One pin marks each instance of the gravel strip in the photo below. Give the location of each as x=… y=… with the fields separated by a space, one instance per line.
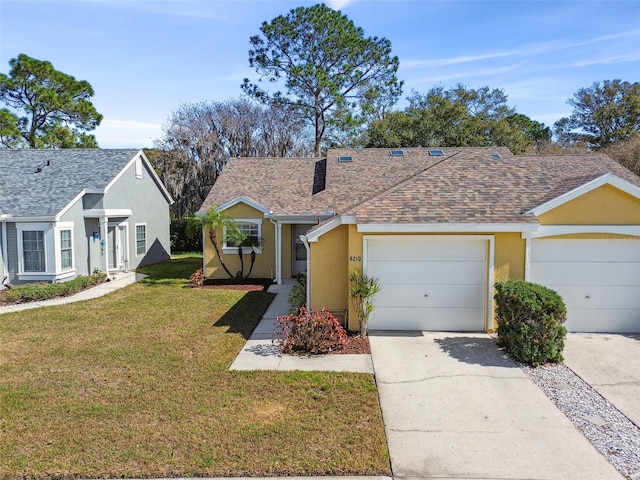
x=613 y=434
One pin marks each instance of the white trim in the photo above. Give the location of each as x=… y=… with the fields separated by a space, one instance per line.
x=3 y=250
x=140 y=154
x=70 y=204
x=245 y=250
x=48 y=246
x=445 y=227
x=316 y=233
x=488 y=318
x=527 y=258
x=553 y=230
x=107 y=212
x=135 y=229
x=246 y=201
x=308 y=247
x=606 y=179
x=60 y=227
x=278 y=252
x=138 y=167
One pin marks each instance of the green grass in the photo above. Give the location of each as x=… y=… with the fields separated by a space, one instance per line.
x=136 y=384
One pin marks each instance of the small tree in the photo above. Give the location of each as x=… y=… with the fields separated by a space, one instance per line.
x=363 y=289
x=214 y=219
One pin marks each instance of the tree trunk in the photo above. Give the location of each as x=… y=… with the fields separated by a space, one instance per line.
x=212 y=237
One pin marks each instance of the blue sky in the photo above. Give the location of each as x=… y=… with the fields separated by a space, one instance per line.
x=146 y=57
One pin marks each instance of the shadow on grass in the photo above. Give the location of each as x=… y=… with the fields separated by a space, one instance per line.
x=244 y=316
x=172 y=272
x=476 y=351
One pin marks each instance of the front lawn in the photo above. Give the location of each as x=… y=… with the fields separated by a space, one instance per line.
x=136 y=384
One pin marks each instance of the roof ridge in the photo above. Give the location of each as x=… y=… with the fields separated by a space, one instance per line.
x=400 y=182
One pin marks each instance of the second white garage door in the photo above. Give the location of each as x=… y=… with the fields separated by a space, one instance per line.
x=599 y=281
x=428 y=282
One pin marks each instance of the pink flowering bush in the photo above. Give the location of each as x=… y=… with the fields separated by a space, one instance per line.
x=310 y=332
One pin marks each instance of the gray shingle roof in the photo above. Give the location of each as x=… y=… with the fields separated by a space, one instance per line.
x=27 y=192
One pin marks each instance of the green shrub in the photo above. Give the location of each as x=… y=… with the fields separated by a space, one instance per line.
x=530 y=318
x=298 y=295
x=309 y=332
x=33 y=292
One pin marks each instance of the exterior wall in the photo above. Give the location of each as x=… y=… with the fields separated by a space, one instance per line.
x=148 y=206
x=12 y=252
x=2 y=254
x=605 y=205
x=80 y=254
x=265 y=266
x=340 y=250
x=330 y=270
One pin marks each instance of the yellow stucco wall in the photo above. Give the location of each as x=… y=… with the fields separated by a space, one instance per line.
x=605 y=205
x=329 y=283
x=265 y=266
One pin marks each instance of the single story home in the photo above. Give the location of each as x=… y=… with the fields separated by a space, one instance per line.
x=439 y=227
x=65 y=213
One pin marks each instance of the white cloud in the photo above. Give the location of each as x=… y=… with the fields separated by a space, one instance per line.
x=338 y=4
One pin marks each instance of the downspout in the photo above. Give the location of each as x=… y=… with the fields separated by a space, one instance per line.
x=308 y=248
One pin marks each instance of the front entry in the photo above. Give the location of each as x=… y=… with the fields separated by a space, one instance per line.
x=298 y=250
x=117 y=247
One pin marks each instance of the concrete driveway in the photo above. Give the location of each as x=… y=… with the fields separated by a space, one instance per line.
x=610 y=364
x=455 y=406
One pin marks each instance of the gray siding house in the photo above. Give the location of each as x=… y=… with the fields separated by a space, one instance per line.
x=65 y=213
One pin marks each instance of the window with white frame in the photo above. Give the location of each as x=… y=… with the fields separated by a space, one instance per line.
x=33 y=250
x=141 y=239
x=66 y=249
x=250 y=230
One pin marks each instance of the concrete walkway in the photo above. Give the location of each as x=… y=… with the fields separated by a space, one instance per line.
x=260 y=353
x=610 y=363
x=457 y=407
x=118 y=281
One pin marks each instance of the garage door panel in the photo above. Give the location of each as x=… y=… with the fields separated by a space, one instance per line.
x=602 y=297
x=586 y=250
x=444 y=319
x=439 y=273
x=409 y=249
x=430 y=296
x=574 y=273
x=604 y=321
x=599 y=281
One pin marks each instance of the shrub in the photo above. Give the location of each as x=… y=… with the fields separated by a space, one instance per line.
x=197 y=279
x=33 y=292
x=298 y=295
x=310 y=332
x=530 y=318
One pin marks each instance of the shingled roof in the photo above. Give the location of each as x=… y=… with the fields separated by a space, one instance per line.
x=40 y=183
x=463 y=185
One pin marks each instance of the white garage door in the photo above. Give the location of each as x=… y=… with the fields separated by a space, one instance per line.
x=599 y=281
x=428 y=283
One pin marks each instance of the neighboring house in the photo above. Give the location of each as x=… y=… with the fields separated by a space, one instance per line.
x=65 y=213
x=438 y=228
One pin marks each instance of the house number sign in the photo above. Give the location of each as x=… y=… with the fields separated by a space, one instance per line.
x=355 y=259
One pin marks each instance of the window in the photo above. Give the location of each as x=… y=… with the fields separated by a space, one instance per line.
x=33 y=250
x=251 y=230
x=141 y=239
x=66 y=252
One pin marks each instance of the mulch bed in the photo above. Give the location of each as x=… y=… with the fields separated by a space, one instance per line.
x=355 y=345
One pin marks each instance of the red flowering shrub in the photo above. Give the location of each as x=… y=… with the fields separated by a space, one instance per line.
x=310 y=332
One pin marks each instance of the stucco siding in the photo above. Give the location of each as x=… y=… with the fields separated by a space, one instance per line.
x=80 y=244
x=148 y=206
x=605 y=205
x=2 y=249
x=12 y=252
x=330 y=270
x=265 y=265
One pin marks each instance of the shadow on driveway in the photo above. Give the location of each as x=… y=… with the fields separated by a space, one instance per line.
x=474 y=350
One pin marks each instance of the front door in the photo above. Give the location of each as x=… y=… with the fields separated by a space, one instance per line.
x=112 y=249
x=117 y=247
x=298 y=250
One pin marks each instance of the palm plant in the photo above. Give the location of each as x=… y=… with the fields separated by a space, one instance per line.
x=363 y=289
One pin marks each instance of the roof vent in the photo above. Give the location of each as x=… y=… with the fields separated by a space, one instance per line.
x=496 y=156
x=436 y=152
x=397 y=153
x=345 y=158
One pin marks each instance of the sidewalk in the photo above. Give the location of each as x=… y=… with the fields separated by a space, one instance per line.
x=121 y=280
x=260 y=353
